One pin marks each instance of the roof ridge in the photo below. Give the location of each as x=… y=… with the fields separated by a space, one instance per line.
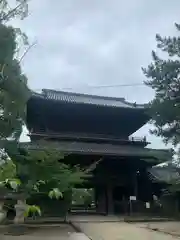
x=82 y=94
x=118 y=99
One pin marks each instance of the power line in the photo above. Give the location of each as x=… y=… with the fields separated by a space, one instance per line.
x=118 y=85
x=102 y=86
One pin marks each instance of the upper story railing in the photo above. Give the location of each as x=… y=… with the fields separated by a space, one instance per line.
x=138 y=139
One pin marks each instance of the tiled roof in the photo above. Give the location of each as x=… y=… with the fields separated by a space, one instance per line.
x=95 y=149
x=167 y=172
x=87 y=99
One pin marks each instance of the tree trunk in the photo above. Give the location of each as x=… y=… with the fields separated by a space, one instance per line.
x=20 y=208
x=3 y=213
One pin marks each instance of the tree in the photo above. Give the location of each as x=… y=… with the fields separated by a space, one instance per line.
x=164 y=78
x=13 y=85
x=41 y=172
x=44 y=170
x=14 y=92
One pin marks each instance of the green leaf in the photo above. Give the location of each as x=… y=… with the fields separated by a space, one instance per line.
x=33 y=209
x=55 y=193
x=14 y=183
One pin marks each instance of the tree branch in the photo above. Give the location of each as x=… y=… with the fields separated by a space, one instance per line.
x=5 y=18
x=26 y=51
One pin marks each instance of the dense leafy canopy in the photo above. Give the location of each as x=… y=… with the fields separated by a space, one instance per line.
x=164 y=78
x=14 y=92
x=13 y=83
x=42 y=172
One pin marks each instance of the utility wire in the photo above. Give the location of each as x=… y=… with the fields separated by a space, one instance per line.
x=118 y=85
x=101 y=86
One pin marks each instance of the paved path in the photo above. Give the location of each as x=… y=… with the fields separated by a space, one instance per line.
x=95 y=218
x=63 y=232
x=172 y=227
x=95 y=231
x=120 y=231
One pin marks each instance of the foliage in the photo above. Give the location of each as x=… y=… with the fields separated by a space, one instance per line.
x=18 y=10
x=13 y=85
x=55 y=193
x=45 y=172
x=39 y=172
x=7 y=168
x=33 y=210
x=14 y=92
x=10 y=10
x=164 y=79
x=82 y=196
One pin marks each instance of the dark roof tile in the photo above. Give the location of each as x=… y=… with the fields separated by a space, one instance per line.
x=87 y=99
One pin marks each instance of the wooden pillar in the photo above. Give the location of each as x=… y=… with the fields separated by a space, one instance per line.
x=135 y=183
x=110 y=201
x=100 y=199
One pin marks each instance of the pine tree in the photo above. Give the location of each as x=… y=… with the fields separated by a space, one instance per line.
x=164 y=78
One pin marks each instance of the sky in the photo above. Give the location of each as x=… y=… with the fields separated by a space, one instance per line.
x=85 y=43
